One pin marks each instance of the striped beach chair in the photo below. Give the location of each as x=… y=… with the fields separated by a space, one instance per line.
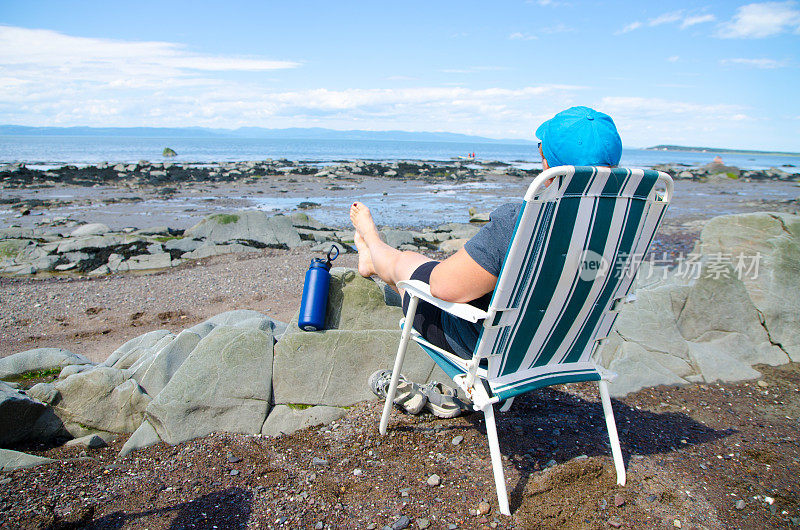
x=575 y=251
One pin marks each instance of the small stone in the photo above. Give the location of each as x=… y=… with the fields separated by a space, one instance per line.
x=401 y=523
x=618 y=500
x=769 y=500
x=652 y=498
x=740 y=504
x=550 y=463
x=357 y=472
x=676 y=523
x=423 y=523
x=602 y=503
x=484 y=508
x=317 y=461
x=234 y=472
x=372 y=526
x=762 y=384
x=615 y=524
x=434 y=480
x=319 y=526
x=457 y=440
x=233 y=459
x=452 y=526
x=404 y=492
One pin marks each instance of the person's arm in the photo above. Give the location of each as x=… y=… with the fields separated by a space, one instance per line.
x=459 y=278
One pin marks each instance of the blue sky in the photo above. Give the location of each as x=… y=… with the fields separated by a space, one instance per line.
x=722 y=74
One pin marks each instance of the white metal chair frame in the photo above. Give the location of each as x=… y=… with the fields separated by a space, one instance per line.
x=474 y=380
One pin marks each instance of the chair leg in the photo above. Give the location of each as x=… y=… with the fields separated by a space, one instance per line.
x=398 y=363
x=507 y=405
x=497 y=461
x=611 y=424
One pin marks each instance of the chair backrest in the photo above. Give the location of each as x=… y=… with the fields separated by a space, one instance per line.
x=575 y=251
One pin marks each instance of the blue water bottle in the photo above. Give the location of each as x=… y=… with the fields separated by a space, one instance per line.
x=315 y=292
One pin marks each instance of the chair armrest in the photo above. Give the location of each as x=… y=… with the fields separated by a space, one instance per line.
x=422 y=291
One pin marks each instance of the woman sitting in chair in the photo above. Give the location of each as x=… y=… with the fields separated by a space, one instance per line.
x=578 y=136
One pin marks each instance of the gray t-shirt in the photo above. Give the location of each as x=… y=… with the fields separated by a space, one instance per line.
x=488 y=248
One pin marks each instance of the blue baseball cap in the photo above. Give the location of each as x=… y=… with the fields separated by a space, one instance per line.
x=580 y=136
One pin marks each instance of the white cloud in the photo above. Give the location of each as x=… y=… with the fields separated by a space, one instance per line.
x=766 y=64
x=672 y=17
x=666 y=18
x=673 y=59
x=761 y=20
x=630 y=27
x=650 y=121
x=522 y=36
x=698 y=19
x=558 y=28
x=22 y=47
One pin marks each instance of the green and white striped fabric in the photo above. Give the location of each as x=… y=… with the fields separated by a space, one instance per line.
x=575 y=251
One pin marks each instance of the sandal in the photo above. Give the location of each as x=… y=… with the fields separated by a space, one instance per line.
x=442 y=400
x=408 y=396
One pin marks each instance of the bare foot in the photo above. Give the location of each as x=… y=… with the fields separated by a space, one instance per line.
x=365 y=266
x=362 y=219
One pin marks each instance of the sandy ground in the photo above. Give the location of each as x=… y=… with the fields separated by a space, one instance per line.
x=702 y=456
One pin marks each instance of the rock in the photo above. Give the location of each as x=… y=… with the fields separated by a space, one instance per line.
x=457 y=440
x=102 y=398
x=37 y=360
x=772 y=242
x=71 y=244
x=208 y=250
x=285 y=419
x=168 y=152
x=74 y=369
x=434 y=480
x=636 y=368
x=18 y=415
x=15 y=248
x=91 y=441
x=154 y=374
x=44 y=392
x=130 y=352
x=247 y=318
x=459 y=230
x=452 y=245
x=332 y=367
x=90 y=229
x=484 y=508
x=740 y=504
x=224 y=385
x=402 y=522
x=248 y=225
x=150 y=261
x=716 y=365
x=144 y=436
x=11 y=460
x=184 y=244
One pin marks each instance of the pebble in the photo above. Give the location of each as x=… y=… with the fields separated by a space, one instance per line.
x=402 y=522
x=357 y=472
x=762 y=384
x=319 y=526
x=434 y=480
x=740 y=504
x=423 y=523
x=317 y=461
x=618 y=500
x=484 y=508
x=676 y=523
x=234 y=472
x=652 y=498
x=457 y=440
x=550 y=463
x=452 y=526
x=233 y=459
x=404 y=492
x=602 y=504
x=615 y=524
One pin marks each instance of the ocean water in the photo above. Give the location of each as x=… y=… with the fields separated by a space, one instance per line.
x=59 y=150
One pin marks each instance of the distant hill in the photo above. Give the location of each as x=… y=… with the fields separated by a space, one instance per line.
x=314 y=133
x=718 y=150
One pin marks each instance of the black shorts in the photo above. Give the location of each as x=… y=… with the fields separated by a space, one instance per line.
x=428 y=319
